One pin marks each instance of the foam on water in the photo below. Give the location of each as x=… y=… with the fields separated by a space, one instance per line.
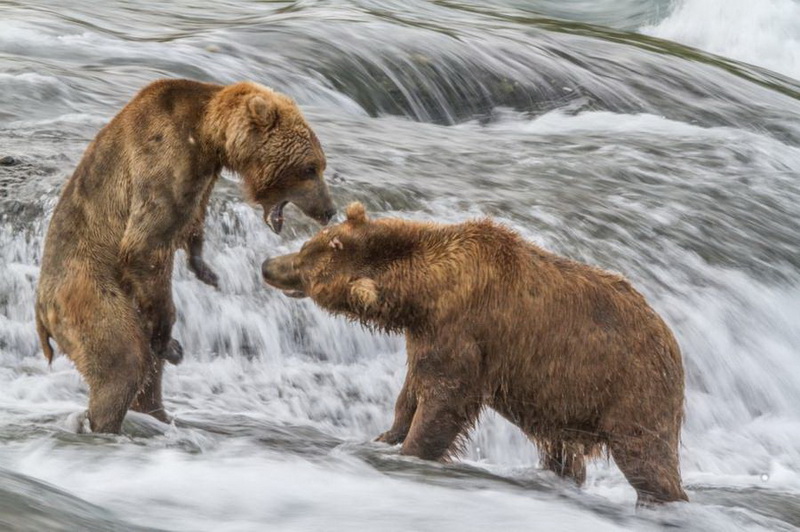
x=242 y=488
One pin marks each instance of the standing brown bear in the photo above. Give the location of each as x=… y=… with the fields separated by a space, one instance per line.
x=571 y=354
x=141 y=191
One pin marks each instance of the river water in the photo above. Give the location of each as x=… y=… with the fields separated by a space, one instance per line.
x=658 y=139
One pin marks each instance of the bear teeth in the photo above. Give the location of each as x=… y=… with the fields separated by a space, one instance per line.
x=298 y=294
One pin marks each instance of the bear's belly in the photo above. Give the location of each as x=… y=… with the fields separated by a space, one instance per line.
x=544 y=415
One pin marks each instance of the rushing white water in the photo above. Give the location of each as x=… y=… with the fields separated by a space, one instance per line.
x=674 y=171
x=764 y=33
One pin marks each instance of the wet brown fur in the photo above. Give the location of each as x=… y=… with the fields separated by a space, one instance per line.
x=571 y=354
x=139 y=193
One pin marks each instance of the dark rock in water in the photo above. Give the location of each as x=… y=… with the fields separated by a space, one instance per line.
x=778 y=505
x=29 y=505
x=8 y=161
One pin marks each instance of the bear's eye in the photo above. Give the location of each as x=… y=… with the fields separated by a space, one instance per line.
x=309 y=172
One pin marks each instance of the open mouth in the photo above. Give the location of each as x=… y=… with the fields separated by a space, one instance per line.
x=274 y=218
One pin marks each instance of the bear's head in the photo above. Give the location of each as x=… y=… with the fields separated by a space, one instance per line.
x=266 y=140
x=361 y=268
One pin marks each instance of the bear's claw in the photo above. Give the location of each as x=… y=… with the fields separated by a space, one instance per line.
x=390 y=437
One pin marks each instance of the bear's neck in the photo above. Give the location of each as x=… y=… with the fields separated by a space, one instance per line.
x=214 y=129
x=445 y=269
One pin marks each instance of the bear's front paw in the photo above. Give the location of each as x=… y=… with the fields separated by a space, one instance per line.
x=174 y=352
x=203 y=271
x=390 y=437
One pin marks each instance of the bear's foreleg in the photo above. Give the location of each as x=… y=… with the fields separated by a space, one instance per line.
x=193 y=241
x=149 y=400
x=442 y=416
x=146 y=254
x=404 y=410
x=447 y=391
x=157 y=310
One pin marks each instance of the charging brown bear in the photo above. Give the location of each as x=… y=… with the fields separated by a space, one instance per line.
x=571 y=354
x=141 y=191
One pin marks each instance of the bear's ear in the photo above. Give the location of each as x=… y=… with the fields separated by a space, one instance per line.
x=262 y=112
x=364 y=292
x=356 y=213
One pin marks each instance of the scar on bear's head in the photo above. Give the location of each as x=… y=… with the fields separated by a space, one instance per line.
x=336 y=243
x=356 y=213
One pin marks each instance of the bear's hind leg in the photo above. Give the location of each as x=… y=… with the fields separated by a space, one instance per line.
x=113 y=359
x=650 y=464
x=565 y=461
x=108 y=403
x=113 y=384
x=148 y=400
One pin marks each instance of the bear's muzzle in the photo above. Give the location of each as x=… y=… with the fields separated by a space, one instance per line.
x=279 y=272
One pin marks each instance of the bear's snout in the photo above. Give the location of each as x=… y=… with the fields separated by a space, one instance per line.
x=265 y=270
x=271 y=270
x=327 y=216
x=281 y=273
